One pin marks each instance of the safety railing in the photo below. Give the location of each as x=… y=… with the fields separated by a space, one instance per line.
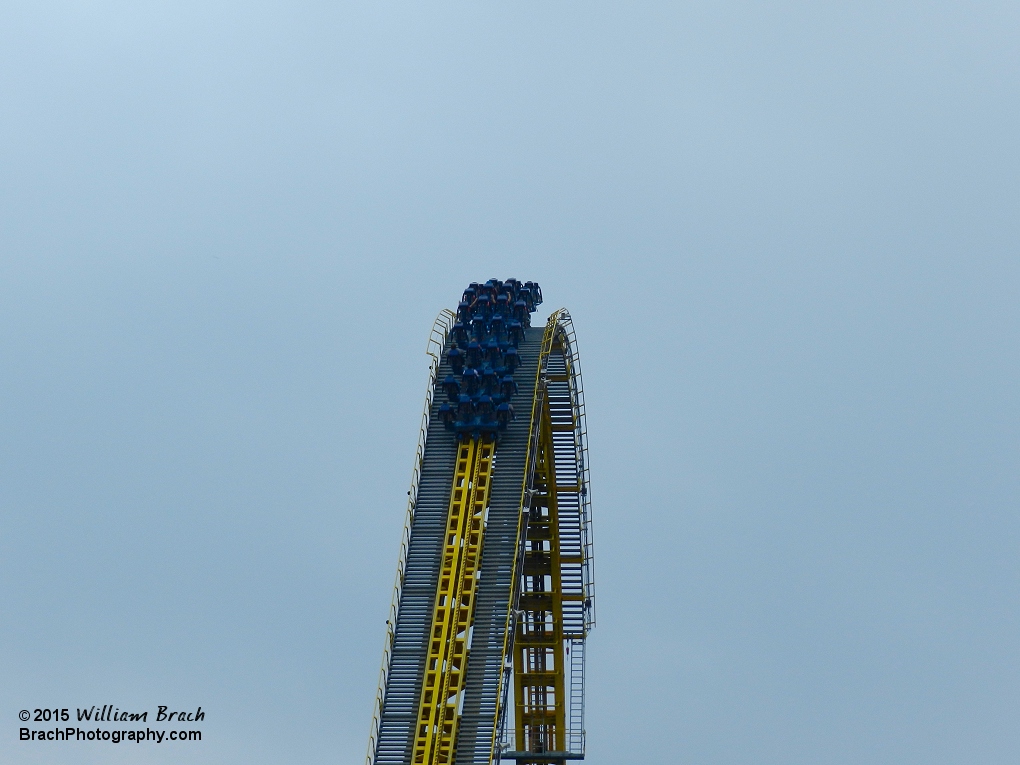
x=434 y=349
x=581 y=440
x=576 y=663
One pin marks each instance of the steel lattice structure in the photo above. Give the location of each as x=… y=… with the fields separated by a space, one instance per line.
x=494 y=598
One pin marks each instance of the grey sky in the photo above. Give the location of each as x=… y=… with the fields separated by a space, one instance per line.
x=787 y=233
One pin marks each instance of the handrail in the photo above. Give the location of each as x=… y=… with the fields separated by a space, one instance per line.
x=581 y=432
x=434 y=349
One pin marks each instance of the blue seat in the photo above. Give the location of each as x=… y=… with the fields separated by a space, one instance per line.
x=470 y=381
x=451 y=387
x=456 y=359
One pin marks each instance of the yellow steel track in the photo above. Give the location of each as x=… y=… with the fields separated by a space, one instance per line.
x=446 y=662
x=553 y=610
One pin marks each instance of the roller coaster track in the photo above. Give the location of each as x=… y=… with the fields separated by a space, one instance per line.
x=494 y=599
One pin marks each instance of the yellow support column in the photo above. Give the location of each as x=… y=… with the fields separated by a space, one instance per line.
x=539 y=687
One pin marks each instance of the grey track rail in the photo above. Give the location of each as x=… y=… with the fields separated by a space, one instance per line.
x=414 y=615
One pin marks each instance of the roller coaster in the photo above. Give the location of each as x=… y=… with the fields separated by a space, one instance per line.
x=484 y=657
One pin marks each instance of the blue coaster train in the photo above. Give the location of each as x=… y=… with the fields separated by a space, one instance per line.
x=491 y=321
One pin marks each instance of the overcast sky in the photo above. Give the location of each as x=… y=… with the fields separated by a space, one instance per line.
x=788 y=235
